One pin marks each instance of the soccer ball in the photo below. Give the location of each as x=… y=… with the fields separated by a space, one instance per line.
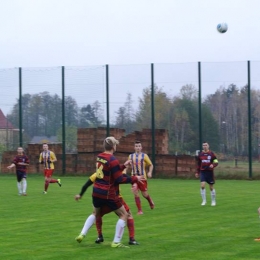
x=222 y=27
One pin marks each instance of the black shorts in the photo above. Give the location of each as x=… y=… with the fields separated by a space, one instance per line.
x=112 y=204
x=20 y=175
x=207 y=176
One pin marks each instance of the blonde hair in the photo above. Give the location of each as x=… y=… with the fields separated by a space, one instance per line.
x=109 y=143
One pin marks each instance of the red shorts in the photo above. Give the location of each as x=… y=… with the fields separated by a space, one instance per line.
x=48 y=172
x=142 y=186
x=105 y=209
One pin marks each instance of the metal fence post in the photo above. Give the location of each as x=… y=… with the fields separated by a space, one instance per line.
x=63 y=121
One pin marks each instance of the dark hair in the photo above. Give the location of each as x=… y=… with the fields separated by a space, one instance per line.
x=137 y=142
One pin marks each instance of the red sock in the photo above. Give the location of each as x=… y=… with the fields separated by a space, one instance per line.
x=99 y=225
x=46 y=185
x=149 y=199
x=131 y=228
x=138 y=203
x=53 y=181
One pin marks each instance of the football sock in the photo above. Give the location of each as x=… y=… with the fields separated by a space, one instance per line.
x=149 y=199
x=19 y=186
x=24 y=185
x=203 y=194
x=53 y=181
x=131 y=228
x=138 y=203
x=120 y=225
x=99 y=225
x=89 y=222
x=46 y=185
x=213 y=195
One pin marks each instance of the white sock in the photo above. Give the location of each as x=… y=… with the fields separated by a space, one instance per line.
x=89 y=222
x=19 y=186
x=203 y=194
x=120 y=227
x=213 y=195
x=24 y=185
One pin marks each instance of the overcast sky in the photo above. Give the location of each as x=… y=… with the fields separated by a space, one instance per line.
x=41 y=33
x=90 y=32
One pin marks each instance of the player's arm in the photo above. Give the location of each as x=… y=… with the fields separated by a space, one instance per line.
x=41 y=159
x=214 y=161
x=123 y=178
x=198 y=167
x=150 y=166
x=90 y=181
x=53 y=157
x=11 y=166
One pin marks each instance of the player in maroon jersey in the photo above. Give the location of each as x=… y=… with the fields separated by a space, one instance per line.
x=207 y=161
x=105 y=190
x=20 y=161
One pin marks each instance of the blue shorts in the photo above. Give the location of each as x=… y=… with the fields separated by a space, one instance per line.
x=207 y=176
x=20 y=175
x=112 y=204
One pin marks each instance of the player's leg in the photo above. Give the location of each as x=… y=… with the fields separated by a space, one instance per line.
x=58 y=181
x=143 y=189
x=24 y=185
x=135 y=191
x=90 y=220
x=130 y=224
x=213 y=195
x=19 y=184
x=103 y=211
x=202 y=189
x=120 y=225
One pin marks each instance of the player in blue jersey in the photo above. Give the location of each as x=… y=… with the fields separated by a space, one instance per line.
x=207 y=161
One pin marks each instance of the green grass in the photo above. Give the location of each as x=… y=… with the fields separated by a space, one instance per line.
x=44 y=226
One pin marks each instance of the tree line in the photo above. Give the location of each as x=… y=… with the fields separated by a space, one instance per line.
x=224 y=117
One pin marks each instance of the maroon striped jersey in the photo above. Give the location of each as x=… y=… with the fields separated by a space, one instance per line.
x=109 y=176
x=205 y=159
x=18 y=159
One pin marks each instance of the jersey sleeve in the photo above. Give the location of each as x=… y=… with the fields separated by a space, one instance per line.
x=93 y=177
x=40 y=158
x=147 y=160
x=53 y=156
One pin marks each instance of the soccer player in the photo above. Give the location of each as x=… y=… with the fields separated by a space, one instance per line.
x=105 y=210
x=140 y=161
x=20 y=161
x=109 y=176
x=207 y=161
x=47 y=158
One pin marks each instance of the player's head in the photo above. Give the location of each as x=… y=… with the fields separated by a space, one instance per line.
x=45 y=147
x=20 y=150
x=138 y=146
x=110 y=144
x=205 y=146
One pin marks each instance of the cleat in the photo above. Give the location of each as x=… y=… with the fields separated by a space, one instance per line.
x=257 y=239
x=45 y=192
x=59 y=182
x=118 y=245
x=213 y=203
x=203 y=203
x=24 y=194
x=79 y=238
x=140 y=212
x=133 y=242
x=19 y=194
x=152 y=205
x=99 y=240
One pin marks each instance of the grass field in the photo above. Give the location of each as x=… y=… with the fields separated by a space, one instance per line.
x=44 y=226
